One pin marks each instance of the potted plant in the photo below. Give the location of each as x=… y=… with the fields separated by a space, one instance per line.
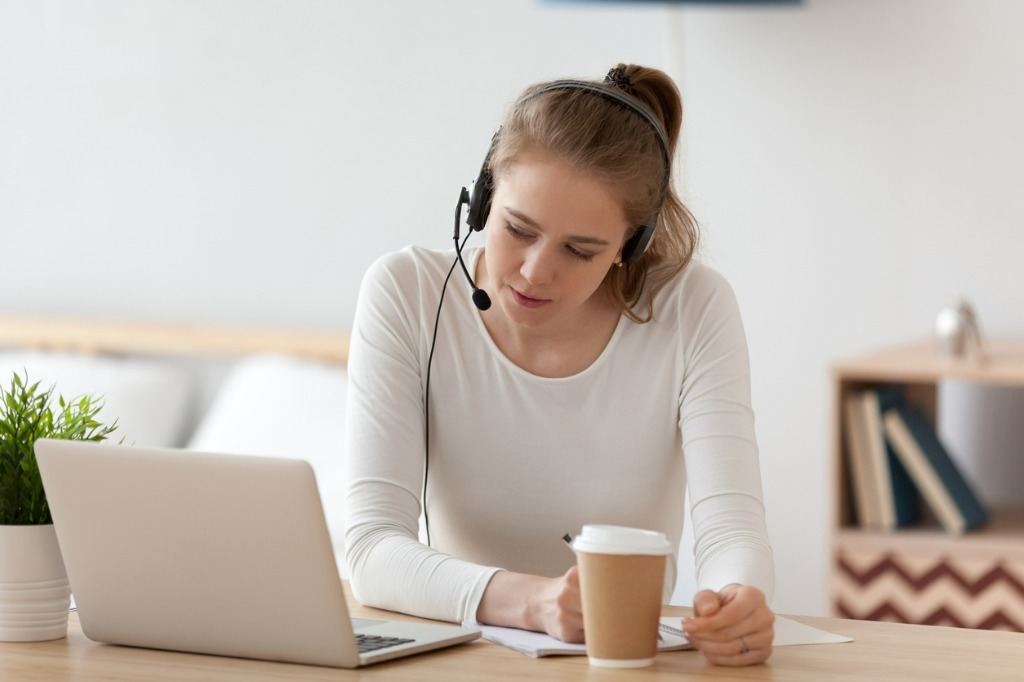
x=34 y=590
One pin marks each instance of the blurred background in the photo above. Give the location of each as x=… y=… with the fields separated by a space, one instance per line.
x=854 y=164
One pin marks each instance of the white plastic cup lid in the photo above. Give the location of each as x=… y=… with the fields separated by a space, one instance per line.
x=599 y=539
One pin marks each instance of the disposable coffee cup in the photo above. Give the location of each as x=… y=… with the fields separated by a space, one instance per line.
x=622 y=573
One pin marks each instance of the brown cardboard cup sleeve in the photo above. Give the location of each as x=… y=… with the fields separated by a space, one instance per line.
x=622 y=571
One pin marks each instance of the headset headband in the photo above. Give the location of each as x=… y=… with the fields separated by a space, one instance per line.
x=614 y=94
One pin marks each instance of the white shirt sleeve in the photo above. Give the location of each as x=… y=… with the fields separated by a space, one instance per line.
x=389 y=567
x=720 y=447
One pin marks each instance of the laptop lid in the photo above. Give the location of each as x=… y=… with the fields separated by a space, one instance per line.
x=207 y=553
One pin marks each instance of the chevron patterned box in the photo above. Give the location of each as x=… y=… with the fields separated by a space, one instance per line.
x=928 y=577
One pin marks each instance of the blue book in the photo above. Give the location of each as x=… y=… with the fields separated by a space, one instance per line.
x=905 y=496
x=937 y=477
x=906 y=500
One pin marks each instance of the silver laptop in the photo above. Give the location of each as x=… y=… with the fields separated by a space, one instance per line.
x=213 y=554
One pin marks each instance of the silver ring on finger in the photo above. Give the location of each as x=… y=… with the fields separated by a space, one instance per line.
x=743 y=646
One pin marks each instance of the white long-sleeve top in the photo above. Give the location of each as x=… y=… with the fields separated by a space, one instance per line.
x=517 y=460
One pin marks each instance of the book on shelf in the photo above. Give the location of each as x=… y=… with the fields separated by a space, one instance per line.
x=898 y=501
x=936 y=475
x=885 y=497
x=862 y=480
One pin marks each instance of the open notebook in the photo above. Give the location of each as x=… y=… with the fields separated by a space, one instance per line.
x=787 y=632
x=213 y=554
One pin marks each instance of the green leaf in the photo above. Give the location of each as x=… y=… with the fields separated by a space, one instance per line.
x=25 y=416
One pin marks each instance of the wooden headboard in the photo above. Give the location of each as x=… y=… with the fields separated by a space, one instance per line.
x=141 y=338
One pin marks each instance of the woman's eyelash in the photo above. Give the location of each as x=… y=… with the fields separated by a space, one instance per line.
x=580 y=255
x=516 y=232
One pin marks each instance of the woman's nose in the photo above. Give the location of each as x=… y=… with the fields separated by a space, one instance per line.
x=538 y=266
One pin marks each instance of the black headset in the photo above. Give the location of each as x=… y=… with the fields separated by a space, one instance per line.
x=483 y=188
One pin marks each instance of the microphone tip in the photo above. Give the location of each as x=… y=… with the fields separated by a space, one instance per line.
x=481 y=299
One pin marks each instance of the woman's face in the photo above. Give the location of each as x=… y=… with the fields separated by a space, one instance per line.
x=552 y=234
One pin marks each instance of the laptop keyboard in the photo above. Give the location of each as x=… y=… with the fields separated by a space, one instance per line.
x=374 y=642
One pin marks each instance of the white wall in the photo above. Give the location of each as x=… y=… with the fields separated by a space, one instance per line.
x=243 y=161
x=854 y=163
x=232 y=161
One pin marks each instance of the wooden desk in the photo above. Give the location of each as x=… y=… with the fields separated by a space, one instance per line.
x=879 y=652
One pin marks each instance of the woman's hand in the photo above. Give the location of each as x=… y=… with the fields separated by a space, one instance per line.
x=558 y=607
x=732 y=627
x=530 y=602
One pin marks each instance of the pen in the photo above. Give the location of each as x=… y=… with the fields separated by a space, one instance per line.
x=567 y=539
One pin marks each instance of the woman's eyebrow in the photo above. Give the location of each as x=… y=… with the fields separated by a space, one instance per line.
x=578 y=239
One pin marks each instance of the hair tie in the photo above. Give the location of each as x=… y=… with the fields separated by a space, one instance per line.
x=620 y=80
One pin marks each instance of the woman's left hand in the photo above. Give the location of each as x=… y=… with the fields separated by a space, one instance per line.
x=733 y=626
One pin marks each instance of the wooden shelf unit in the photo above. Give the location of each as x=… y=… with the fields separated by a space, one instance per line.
x=923 y=574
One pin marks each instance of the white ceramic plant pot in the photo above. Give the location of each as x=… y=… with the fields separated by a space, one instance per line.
x=34 y=591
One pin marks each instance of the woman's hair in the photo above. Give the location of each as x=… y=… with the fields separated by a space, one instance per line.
x=599 y=136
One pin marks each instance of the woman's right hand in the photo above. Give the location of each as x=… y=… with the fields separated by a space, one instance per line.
x=552 y=605
x=558 y=608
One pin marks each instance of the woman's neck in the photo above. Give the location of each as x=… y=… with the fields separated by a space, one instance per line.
x=557 y=355
x=562 y=348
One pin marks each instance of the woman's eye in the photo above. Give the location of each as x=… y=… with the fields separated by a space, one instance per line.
x=579 y=255
x=516 y=232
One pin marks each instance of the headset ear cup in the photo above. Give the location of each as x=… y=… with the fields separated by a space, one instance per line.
x=635 y=246
x=480 y=203
x=483 y=191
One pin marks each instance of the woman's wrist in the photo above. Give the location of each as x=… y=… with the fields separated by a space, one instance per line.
x=530 y=602
x=510 y=600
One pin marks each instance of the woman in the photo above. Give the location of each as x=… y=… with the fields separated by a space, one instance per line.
x=605 y=375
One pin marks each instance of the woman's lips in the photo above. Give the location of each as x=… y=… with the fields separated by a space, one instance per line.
x=526 y=301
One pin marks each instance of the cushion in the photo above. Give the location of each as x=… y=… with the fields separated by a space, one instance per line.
x=150 y=398
x=282 y=406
